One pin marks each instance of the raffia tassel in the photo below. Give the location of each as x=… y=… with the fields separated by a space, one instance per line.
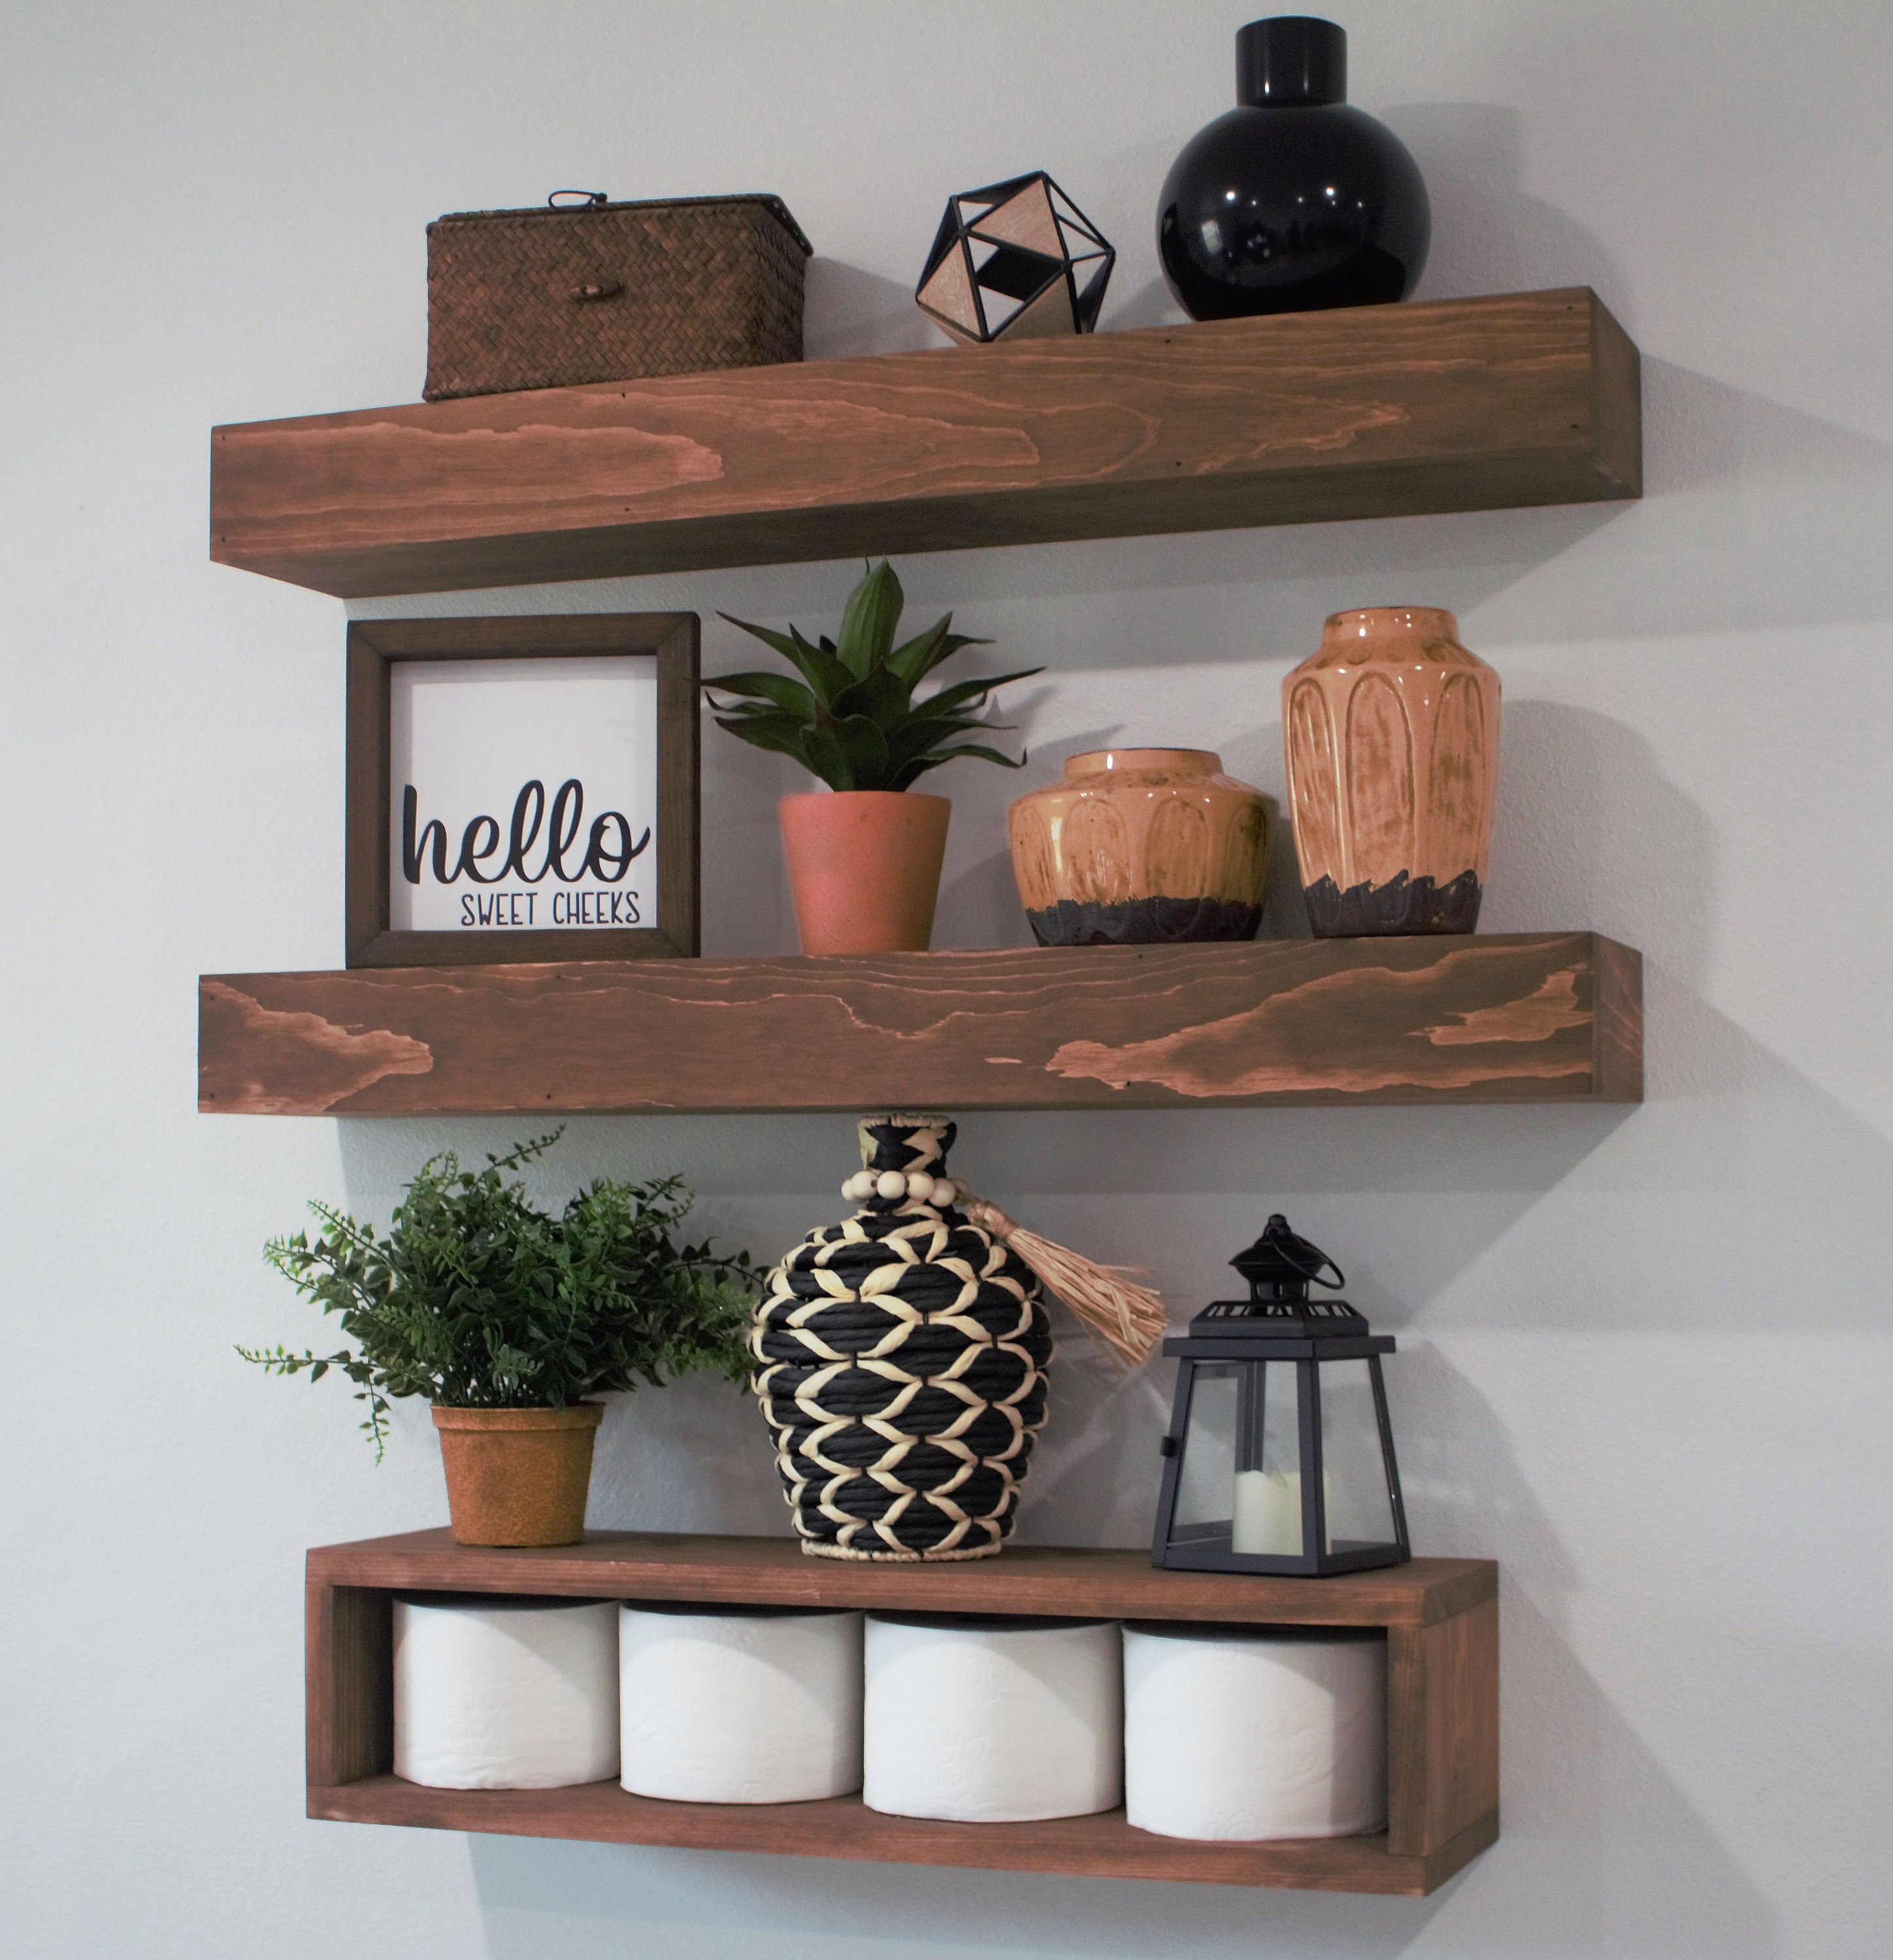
x=1128 y=1318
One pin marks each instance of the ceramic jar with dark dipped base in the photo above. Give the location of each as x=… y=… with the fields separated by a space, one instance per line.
x=1139 y=847
x=901 y=1360
x=1391 y=730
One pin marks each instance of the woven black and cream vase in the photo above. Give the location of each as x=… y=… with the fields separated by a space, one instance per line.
x=901 y=1362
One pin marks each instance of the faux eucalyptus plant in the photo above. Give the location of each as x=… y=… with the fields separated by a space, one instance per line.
x=851 y=718
x=477 y=1299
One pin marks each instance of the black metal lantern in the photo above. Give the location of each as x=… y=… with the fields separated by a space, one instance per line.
x=1279 y=1456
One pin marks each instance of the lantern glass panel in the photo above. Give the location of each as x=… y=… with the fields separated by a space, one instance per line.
x=1206 y=1475
x=1353 y=1464
x=1267 y=1506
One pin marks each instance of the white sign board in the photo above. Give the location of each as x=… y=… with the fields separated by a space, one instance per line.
x=523 y=794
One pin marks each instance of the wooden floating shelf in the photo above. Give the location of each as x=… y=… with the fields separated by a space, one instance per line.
x=1371 y=411
x=1440 y=1614
x=1524 y=1017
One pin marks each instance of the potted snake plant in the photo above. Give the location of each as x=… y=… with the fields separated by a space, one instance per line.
x=864 y=854
x=510 y=1319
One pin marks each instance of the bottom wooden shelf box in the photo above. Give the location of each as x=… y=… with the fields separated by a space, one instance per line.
x=1440 y=1617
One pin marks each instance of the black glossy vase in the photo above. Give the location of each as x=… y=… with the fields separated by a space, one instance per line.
x=1294 y=201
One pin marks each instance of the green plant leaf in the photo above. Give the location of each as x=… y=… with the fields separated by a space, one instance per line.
x=784 y=734
x=882 y=697
x=849 y=754
x=824 y=674
x=916 y=738
x=964 y=692
x=922 y=654
x=921 y=765
x=867 y=748
x=868 y=621
x=782 y=642
x=787 y=694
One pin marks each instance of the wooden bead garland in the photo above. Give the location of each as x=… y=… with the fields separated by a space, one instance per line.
x=901 y=1359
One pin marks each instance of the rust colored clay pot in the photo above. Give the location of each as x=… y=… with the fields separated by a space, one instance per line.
x=865 y=868
x=1391 y=729
x=1139 y=847
x=518 y=1476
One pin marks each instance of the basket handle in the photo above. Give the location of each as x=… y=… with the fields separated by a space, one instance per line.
x=585 y=197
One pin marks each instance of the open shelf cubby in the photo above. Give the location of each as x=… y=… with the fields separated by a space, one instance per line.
x=1440 y=1617
x=1480 y=404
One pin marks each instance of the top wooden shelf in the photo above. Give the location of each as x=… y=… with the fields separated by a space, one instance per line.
x=1461 y=405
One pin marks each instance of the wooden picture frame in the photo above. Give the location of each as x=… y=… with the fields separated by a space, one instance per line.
x=375 y=646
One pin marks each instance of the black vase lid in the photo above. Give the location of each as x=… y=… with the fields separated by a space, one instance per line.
x=1290 y=60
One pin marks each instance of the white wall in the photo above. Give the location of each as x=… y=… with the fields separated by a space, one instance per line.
x=1644 y=1355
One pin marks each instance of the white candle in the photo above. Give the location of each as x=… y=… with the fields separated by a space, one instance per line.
x=1268 y=1513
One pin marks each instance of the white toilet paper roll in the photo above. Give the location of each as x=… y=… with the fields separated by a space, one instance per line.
x=1228 y=1733
x=739 y=1704
x=992 y=1721
x=504 y=1693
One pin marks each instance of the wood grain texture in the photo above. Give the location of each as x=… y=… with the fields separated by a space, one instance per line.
x=348 y=1659
x=1023 y=1579
x=1498 y=1018
x=1440 y=1614
x=1101 y=1846
x=1617 y=1051
x=1459 y=405
x=1443 y=1728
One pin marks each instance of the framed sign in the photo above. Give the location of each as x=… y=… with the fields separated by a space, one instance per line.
x=521 y=789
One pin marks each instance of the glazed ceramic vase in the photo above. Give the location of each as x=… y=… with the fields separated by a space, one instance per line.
x=1139 y=847
x=1292 y=201
x=1391 y=729
x=900 y=1361
x=865 y=868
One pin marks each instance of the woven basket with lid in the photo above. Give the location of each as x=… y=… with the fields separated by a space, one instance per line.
x=566 y=295
x=901 y=1362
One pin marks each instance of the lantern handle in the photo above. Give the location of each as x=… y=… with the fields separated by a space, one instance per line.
x=1312 y=1274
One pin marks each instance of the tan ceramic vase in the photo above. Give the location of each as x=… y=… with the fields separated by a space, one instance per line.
x=1391 y=729
x=865 y=868
x=1138 y=847
x=518 y=1476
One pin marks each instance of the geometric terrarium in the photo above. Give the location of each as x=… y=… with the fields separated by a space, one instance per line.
x=1017 y=260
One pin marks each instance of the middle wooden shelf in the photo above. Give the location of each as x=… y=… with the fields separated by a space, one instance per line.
x=1519 y=1017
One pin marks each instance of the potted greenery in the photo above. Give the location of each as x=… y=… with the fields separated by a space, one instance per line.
x=863 y=861
x=507 y=1318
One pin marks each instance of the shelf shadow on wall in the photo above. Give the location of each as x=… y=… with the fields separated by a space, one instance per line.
x=1597 y=1832
x=1599 y=1841
x=1489 y=235
x=848 y=311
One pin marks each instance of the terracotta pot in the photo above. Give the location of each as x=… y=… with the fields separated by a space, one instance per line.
x=1391 y=729
x=518 y=1476
x=1139 y=846
x=865 y=868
